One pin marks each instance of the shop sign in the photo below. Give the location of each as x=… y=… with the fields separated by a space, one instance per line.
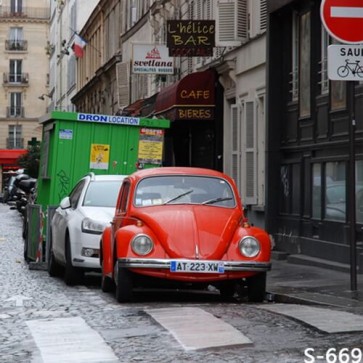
x=190 y=38
x=151 y=59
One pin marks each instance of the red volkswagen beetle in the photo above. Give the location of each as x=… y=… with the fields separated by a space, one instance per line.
x=178 y=226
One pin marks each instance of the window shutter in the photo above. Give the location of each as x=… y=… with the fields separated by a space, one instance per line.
x=122 y=78
x=250 y=167
x=235 y=142
x=263 y=15
x=231 y=22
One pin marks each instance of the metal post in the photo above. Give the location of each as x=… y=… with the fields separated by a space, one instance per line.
x=351 y=189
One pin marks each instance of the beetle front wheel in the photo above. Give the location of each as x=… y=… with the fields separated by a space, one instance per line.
x=123 y=284
x=256 y=287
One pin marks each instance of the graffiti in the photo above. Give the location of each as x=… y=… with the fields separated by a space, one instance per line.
x=284 y=173
x=63 y=184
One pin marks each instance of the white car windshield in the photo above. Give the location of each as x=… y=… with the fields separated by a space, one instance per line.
x=184 y=190
x=102 y=193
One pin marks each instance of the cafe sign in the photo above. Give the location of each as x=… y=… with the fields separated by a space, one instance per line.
x=151 y=59
x=190 y=38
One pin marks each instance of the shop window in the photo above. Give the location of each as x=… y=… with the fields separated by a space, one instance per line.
x=335 y=191
x=359 y=191
x=316 y=191
x=290 y=189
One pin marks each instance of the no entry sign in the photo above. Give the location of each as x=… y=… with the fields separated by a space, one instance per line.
x=343 y=19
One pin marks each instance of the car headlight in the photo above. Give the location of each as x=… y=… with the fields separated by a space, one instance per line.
x=249 y=246
x=142 y=244
x=91 y=226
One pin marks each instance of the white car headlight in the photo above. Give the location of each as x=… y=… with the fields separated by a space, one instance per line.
x=91 y=226
x=249 y=246
x=142 y=244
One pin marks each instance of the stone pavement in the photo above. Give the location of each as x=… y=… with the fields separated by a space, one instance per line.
x=294 y=283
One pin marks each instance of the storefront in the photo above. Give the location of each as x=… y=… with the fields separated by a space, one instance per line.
x=194 y=105
x=8 y=162
x=315 y=177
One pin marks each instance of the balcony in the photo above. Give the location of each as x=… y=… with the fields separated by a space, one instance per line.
x=14 y=111
x=25 y=12
x=16 y=45
x=17 y=143
x=16 y=79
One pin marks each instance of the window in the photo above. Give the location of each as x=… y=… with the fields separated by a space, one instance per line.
x=359 y=191
x=16 y=6
x=290 y=188
x=324 y=81
x=295 y=59
x=15 y=104
x=316 y=191
x=15 y=140
x=304 y=66
x=15 y=70
x=16 y=38
x=335 y=191
x=231 y=24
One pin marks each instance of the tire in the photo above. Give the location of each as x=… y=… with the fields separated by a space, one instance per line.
x=123 y=284
x=107 y=284
x=54 y=269
x=72 y=275
x=256 y=287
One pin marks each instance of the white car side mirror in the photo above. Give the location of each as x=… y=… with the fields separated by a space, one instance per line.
x=65 y=203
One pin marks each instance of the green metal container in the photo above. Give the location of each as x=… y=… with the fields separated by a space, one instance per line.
x=74 y=144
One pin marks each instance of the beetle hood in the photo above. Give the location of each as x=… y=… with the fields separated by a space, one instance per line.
x=202 y=232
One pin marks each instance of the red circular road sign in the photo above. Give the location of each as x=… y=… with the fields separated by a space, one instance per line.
x=343 y=19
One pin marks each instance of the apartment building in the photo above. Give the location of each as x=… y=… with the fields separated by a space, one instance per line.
x=24 y=64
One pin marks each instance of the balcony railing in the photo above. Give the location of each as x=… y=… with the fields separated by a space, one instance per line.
x=17 y=143
x=16 y=45
x=25 y=12
x=14 y=111
x=16 y=79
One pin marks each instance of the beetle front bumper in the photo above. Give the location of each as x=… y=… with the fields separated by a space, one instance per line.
x=229 y=266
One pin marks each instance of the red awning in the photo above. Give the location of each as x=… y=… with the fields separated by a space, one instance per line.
x=193 y=97
x=10 y=156
x=134 y=109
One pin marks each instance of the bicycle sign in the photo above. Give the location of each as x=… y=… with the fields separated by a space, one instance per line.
x=345 y=62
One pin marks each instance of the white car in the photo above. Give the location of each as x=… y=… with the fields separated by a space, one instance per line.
x=77 y=225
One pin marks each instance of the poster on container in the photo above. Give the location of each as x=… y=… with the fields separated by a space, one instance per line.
x=151 y=146
x=151 y=59
x=100 y=156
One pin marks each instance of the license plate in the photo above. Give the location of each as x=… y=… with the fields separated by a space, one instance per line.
x=209 y=267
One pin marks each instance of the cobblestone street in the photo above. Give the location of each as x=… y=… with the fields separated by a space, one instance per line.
x=30 y=298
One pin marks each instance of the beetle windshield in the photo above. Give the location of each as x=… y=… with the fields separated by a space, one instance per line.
x=181 y=189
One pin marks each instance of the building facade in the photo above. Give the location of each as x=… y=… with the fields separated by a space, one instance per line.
x=221 y=128
x=24 y=31
x=315 y=143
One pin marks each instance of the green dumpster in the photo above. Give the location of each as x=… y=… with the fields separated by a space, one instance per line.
x=74 y=144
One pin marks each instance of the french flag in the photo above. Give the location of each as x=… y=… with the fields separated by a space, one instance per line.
x=78 y=45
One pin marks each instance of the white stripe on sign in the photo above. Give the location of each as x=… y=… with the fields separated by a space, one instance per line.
x=194 y=328
x=346 y=12
x=324 y=319
x=69 y=340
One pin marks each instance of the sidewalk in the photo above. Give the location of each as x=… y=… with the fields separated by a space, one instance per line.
x=290 y=282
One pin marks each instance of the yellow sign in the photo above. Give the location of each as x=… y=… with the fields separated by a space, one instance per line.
x=100 y=156
x=151 y=146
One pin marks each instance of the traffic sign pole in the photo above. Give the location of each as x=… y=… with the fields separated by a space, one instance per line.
x=343 y=20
